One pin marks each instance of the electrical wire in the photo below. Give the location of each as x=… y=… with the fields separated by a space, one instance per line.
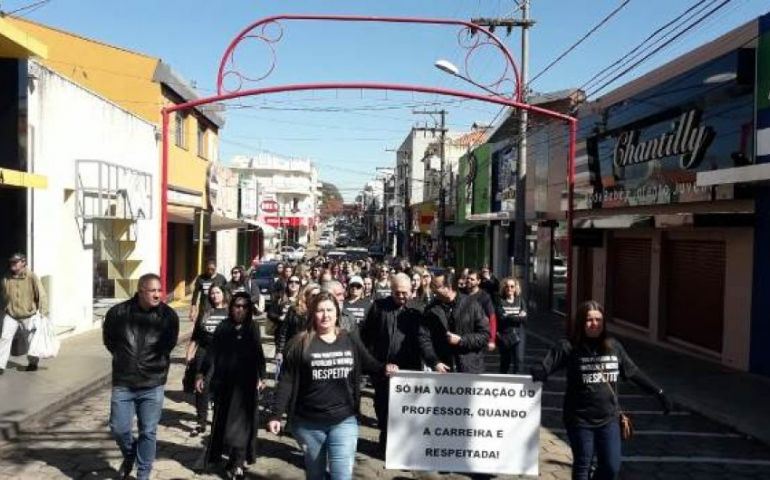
x=659 y=48
x=31 y=7
x=642 y=46
x=572 y=47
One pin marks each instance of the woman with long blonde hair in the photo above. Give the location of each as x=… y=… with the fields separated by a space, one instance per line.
x=511 y=316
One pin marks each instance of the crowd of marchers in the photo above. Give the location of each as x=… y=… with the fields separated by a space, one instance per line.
x=332 y=324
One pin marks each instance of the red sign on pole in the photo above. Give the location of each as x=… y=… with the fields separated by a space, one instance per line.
x=269 y=206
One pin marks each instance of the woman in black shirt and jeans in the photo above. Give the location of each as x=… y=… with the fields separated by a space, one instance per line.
x=320 y=391
x=594 y=362
x=200 y=342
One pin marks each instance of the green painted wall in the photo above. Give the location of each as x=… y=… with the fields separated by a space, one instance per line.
x=472 y=250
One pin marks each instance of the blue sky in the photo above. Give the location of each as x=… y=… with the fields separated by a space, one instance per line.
x=348 y=133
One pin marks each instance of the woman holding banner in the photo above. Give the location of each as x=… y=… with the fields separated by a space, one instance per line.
x=320 y=391
x=594 y=362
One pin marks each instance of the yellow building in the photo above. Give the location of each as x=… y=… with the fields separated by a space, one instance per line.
x=143 y=84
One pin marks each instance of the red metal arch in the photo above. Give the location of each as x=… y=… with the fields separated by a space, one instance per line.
x=514 y=102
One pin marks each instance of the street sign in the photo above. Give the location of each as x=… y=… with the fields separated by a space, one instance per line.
x=269 y=206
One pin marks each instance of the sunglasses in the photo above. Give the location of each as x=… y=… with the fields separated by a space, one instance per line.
x=241 y=305
x=355 y=285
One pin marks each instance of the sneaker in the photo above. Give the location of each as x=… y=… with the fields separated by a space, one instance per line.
x=32 y=367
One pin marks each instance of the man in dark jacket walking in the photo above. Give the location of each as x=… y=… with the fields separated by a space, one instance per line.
x=203 y=282
x=390 y=333
x=140 y=334
x=454 y=332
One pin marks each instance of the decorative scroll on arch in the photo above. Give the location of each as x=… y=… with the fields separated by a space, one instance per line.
x=269 y=31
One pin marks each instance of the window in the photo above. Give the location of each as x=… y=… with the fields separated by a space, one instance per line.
x=180 y=130
x=202 y=151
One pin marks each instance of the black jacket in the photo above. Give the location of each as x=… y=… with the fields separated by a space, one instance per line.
x=391 y=333
x=463 y=317
x=140 y=343
x=292 y=325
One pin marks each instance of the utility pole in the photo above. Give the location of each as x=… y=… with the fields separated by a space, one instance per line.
x=520 y=254
x=442 y=190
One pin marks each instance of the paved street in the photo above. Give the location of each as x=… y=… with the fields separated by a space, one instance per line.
x=74 y=443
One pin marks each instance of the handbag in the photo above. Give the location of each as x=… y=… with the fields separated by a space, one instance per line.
x=624 y=419
x=44 y=343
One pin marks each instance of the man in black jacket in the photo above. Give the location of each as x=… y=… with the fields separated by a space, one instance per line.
x=140 y=334
x=454 y=332
x=390 y=332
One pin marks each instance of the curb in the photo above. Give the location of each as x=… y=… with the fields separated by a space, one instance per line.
x=10 y=430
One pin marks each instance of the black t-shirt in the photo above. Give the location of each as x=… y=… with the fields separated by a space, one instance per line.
x=326 y=381
x=358 y=308
x=234 y=287
x=202 y=285
x=205 y=327
x=591 y=377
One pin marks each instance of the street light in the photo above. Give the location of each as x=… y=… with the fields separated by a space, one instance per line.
x=448 y=67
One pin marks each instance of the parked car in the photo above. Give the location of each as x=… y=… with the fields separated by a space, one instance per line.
x=265 y=275
x=292 y=254
x=559 y=267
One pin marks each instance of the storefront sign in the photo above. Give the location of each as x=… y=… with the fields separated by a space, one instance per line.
x=504 y=163
x=687 y=139
x=650 y=152
x=464 y=423
x=284 y=221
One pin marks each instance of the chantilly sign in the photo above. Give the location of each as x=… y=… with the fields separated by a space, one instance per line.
x=688 y=138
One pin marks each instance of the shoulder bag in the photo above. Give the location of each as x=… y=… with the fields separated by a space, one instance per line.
x=624 y=419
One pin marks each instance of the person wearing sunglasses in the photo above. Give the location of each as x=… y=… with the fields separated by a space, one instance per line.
x=355 y=302
x=237 y=281
x=234 y=370
x=511 y=336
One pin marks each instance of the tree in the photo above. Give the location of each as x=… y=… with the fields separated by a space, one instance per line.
x=331 y=200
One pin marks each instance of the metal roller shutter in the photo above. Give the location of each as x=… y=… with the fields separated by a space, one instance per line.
x=630 y=280
x=694 y=283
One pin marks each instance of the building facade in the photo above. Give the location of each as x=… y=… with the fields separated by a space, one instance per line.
x=669 y=204
x=287 y=199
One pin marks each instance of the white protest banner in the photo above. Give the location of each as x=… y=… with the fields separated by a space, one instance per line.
x=457 y=422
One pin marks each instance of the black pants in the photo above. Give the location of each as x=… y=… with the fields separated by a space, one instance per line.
x=513 y=355
x=381 y=392
x=203 y=398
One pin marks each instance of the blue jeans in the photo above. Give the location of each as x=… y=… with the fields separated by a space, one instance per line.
x=147 y=405
x=334 y=444
x=602 y=441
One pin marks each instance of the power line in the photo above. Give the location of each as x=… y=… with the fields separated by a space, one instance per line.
x=643 y=45
x=656 y=50
x=31 y=7
x=581 y=40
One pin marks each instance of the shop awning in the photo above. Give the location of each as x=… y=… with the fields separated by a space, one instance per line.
x=15 y=43
x=267 y=230
x=17 y=178
x=460 y=230
x=179 y=214
x=219 y=222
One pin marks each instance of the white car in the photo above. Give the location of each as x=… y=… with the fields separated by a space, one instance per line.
x=288 y=253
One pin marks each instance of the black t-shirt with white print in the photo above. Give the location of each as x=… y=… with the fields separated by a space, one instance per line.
x=326 y=381
x=592 y=375
x=358 y=308
x=204 y=330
